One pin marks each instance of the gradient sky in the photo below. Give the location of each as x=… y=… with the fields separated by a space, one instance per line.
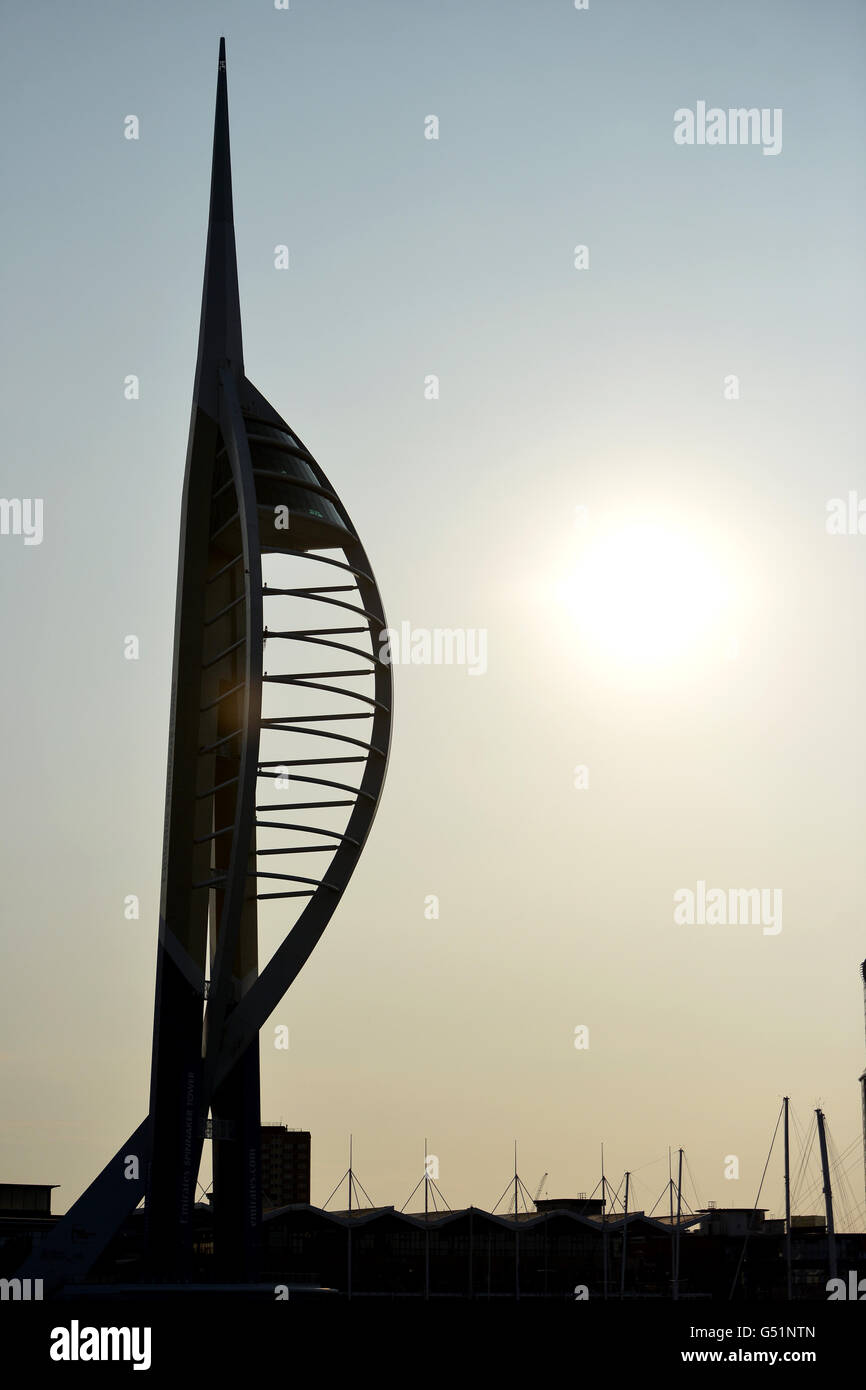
x=737 y=759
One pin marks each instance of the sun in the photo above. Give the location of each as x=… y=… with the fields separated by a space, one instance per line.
x=646 y=594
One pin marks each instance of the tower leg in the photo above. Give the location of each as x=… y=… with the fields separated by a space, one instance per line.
x=177 y=1120
x=237 y=1170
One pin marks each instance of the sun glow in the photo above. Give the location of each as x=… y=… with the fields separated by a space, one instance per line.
x=646 y=594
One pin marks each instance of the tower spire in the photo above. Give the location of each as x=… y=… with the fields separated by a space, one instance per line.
x=220 y=342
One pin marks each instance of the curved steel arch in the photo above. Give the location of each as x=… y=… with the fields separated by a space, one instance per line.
x=242 y=1027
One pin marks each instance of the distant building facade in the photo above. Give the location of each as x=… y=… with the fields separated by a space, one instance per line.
x=26 y=1199
x=285 y=1166
x=25 y=1212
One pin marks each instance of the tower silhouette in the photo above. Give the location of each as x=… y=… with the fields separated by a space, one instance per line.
x=264 y=539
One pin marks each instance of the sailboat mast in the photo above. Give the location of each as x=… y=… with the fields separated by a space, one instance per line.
x=677 y=1237
x=603 y=1226
x=624 y=1239
x=828 y=1195
x=787 y=1199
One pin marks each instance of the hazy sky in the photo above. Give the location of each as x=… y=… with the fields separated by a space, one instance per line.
x=693 y=638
